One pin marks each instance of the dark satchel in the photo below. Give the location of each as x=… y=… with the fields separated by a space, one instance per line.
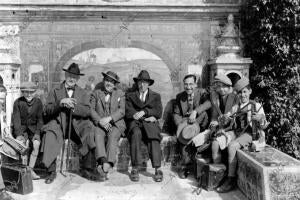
x=17 y=178
x=209 y=176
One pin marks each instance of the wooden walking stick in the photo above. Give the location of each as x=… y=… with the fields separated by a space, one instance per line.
x=69 y=143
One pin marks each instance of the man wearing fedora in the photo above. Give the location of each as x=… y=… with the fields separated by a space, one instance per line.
x=107 y=113
x=27 y=121
x=3 y=194
x=68 y=110
x=143 y=109
x=190 y=117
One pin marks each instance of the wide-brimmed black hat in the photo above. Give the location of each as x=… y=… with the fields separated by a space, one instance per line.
x=111 y=75
x=144 y=75
x=73 y=69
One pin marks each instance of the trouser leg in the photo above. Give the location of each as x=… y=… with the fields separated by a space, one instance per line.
x=216 y=152
x=2 y=186
x=154 y=153
x=112 y=145
x=34 y=153
x=232 y=159
x=100 y=151
x=135 y=147
x=52 y=167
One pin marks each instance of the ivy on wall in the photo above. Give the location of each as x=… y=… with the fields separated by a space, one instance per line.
x=271 y=37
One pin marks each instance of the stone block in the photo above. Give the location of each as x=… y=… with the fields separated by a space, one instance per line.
x=268 y=175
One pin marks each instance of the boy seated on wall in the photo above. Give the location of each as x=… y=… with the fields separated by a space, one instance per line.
x=249 y=123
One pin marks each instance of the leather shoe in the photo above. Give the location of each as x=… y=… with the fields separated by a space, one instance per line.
x=50 y=178
x=183 y=173
x=134 y=175
x=158 y=177
x=5 y=196
x=228 y=185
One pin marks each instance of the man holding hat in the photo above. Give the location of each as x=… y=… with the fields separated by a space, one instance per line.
x=250 y=121
x=107 y=113
x=68 y=108
x=143 y=109
x=3 y=194
x=190 y=117
x=27 y=121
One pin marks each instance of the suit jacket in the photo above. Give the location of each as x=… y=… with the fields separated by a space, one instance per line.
x=58 y=123
x=201 y=103
x=24 y=118
x=152 y=107
x=117 y=107
x=230 y=105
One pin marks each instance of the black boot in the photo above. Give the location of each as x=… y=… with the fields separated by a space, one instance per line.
x=228 y=185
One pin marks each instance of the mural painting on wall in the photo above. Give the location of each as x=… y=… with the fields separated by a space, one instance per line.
x=127 y=63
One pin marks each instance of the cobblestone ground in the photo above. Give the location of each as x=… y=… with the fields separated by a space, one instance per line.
x=119 y=186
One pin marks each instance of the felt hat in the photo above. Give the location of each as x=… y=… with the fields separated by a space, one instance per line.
x=28 y=86
x=7 y=150
x=186 y=132
x=74 y=69
x=241 y=84
x=111 y=75
x=144 y=75
x=223 y=79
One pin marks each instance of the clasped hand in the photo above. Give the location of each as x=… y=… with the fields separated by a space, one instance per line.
x=257 y=117
x=150 y=119
x=68 y=103
x=192 y=117
x=105 y=123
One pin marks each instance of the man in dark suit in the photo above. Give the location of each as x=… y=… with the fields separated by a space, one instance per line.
x=190 y=108
x=143 y=109
x=27 y=121
x=68 y=108
x=107 y=113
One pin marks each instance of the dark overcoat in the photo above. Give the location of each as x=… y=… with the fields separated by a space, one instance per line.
x=24 y=118
x=56 y=129
x=152 y=107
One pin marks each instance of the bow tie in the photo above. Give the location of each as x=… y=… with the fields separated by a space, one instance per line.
x=71 y=88
x=106 y=92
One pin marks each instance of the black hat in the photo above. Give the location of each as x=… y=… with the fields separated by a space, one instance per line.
x=111 y=75
x=144 y=75
x=73 y=69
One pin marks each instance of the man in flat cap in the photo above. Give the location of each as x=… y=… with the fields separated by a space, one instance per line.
x=68 y=108
x=190 y=111
x=143 y=109
x=250 y=121
x=107 y=113
x=27 y=121
x=223 y=101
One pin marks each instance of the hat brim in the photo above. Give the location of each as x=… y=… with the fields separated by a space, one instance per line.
x=151 y=81
x=179 y=131
x=66 y=70
x=28 y=89
x=9 y=151
x=107 y=75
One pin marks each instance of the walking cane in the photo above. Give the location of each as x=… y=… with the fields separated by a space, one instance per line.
x=68 y=147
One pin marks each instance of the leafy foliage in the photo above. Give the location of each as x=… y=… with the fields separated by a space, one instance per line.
x=272 y=39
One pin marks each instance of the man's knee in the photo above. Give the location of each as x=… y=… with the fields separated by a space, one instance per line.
x=136 y=133
x=233 y=146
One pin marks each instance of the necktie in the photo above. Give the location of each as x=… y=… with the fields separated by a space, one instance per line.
x=190 y=102
x=142 y=96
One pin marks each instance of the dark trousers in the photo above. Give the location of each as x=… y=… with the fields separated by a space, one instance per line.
x=137 y=136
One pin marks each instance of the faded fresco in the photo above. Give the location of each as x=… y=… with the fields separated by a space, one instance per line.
x=127 y=63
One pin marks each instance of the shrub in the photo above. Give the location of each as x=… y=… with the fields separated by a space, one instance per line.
x=271 y=37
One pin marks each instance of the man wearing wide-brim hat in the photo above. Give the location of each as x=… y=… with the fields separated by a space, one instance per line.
x=190 y=117
x=67 y=108
x=107 y=113
x=143 y=109
x=27 y=121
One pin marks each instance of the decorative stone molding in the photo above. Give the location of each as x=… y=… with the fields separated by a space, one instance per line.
x=10 y=64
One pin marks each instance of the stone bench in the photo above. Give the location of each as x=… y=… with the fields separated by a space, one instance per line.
x=268 y=175
x=168 y=148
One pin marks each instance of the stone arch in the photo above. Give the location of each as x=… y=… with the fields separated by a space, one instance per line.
x=99 y=44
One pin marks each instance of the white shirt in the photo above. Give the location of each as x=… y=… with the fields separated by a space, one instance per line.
x=143 y=96
x=107 y=97
x=70 y=92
